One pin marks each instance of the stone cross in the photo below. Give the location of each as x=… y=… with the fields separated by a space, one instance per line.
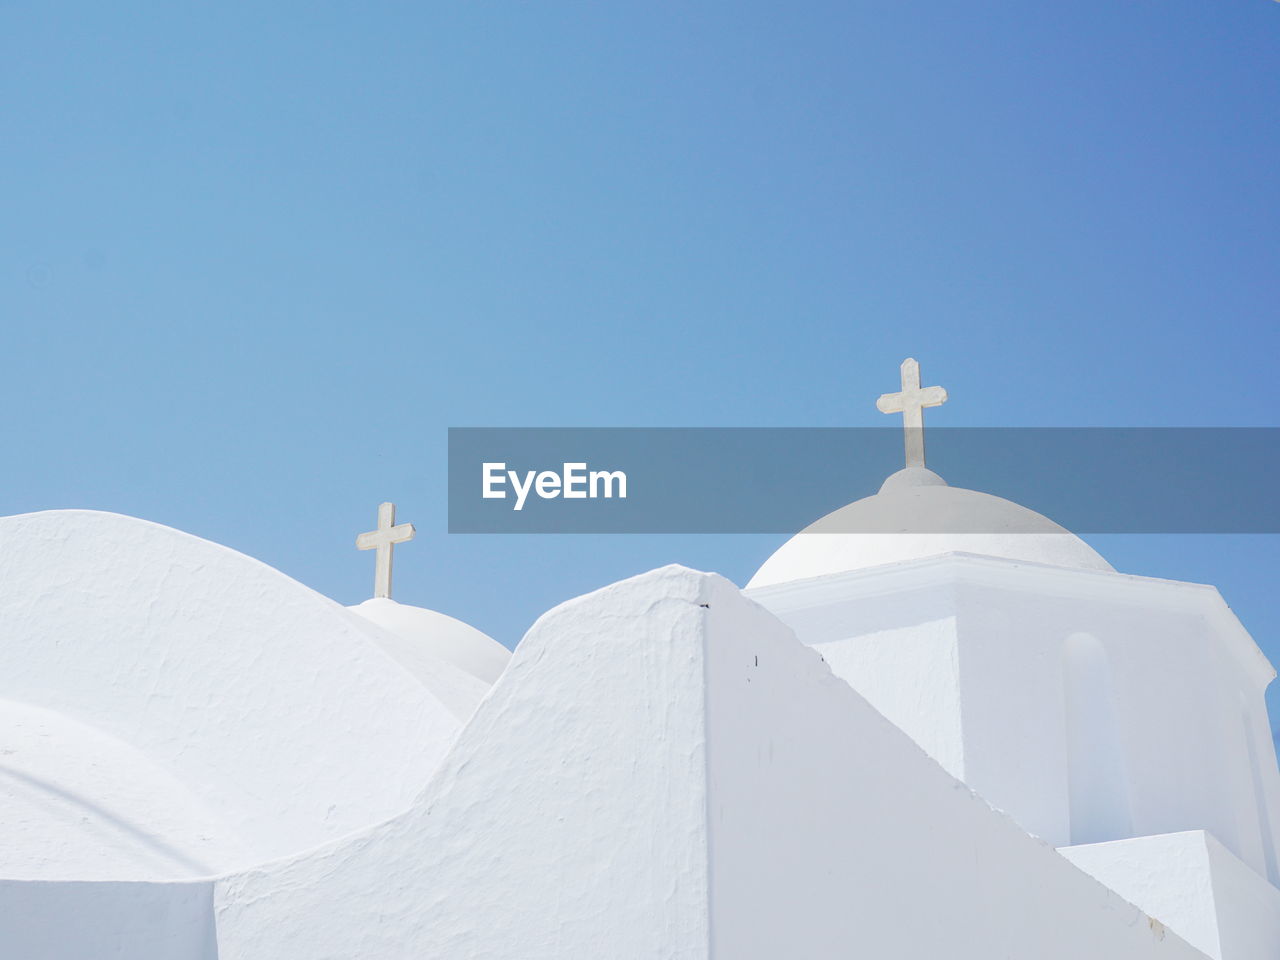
x=910 y=402
x=384 y=540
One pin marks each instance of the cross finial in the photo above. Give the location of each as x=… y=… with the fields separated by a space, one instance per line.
x=910 y=402
x=384 y=540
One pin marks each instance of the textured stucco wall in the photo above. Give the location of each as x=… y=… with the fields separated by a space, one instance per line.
x=1172 y=723
x=1196 y=886
x=572 y=819
x=568 y=821
x=205 y=712
x=833 y=834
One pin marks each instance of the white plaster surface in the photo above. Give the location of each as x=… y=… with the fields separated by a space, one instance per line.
x=418 y=631
x=1194 y=885
x=246 y=770
x=568 y=821
x=923 y=697
x=77 y=803
x=664 y=771
x=833 y=835
x=916 y=514
x=1169 y=736
x=175 y=709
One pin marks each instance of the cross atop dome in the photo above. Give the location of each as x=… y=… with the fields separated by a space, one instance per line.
x=384 y=540
x=910 y=402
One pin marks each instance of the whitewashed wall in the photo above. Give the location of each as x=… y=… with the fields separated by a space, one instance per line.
x=568 y=821
x=572 y=819
x=833 y=834
x=176 y=709
x=1092 y=705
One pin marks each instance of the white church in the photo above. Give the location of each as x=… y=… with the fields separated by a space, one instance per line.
x=934 y=724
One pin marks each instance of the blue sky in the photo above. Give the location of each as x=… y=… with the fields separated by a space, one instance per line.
x=256 y=258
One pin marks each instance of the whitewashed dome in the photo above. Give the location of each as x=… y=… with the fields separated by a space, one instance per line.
x=916 y=515
x=419 y=637
x=172 y=709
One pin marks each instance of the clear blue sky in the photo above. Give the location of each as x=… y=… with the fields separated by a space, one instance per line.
x=256 y=258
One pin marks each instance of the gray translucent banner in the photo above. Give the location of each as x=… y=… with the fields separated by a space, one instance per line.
x=780 y=480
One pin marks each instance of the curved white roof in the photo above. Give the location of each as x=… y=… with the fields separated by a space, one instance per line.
x=419 y=636
x=915 y=515
x=80 y=804
x=172 y=708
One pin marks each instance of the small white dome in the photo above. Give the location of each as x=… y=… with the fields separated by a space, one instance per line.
x=915 y=515
x=438 y=634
